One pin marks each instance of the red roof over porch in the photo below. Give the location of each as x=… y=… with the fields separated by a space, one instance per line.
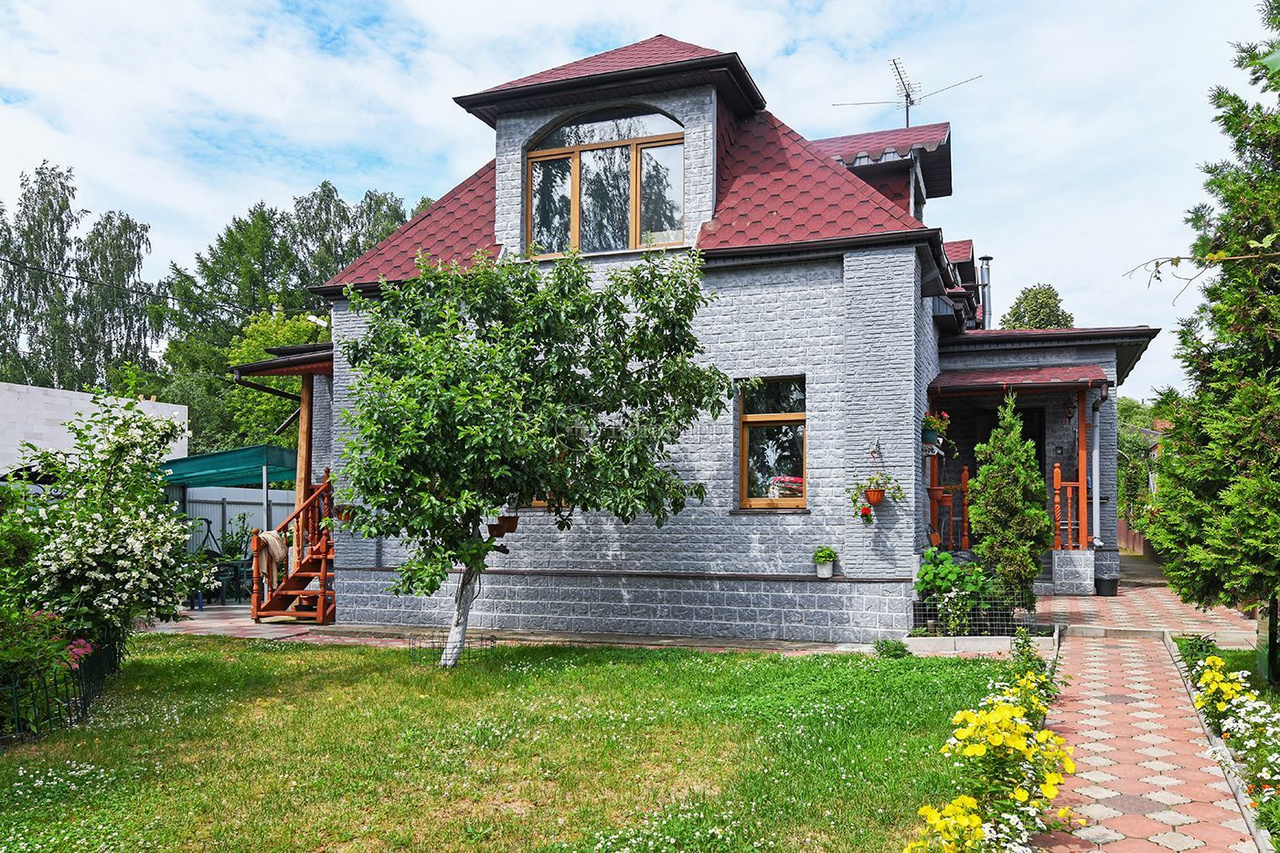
x=988 y=379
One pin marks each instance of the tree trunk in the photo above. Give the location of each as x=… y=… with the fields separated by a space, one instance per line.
x=461 y=612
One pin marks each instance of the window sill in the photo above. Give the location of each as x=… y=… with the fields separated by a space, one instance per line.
x=617 y=253
x=782 y=510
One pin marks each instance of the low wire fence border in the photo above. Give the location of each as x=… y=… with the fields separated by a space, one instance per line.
x=999 y=615
x=426 y=649
x=34 y=705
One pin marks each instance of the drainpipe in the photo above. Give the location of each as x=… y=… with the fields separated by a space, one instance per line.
x=1097 y=465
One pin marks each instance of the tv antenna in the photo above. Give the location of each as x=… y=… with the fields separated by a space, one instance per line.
x=908 y=92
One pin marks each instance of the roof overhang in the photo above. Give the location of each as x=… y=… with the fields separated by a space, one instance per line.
x=1130 y=342
x=935 y=281
x=987 y=380
x=306 y=360
x=725 y=71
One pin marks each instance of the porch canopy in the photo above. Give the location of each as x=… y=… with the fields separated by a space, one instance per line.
x=987 y=380
x=244 y=466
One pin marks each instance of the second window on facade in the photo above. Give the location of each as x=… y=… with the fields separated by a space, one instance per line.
x=771 y=445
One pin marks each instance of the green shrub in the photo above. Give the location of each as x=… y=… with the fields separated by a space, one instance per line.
x=887 y=648
x=940 y=574
x=1007 y=504
x=825 y=554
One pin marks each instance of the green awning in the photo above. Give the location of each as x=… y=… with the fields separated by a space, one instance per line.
x=239 y=467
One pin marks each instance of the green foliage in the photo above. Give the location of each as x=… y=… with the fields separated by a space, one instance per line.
x=879 y=480
x=18 y=541
x=1134 y=413
x=57 y=331
x=892 y=649
x=255 y=415
x=260 y=266
x=825 y=554
x=1007 y=504
x=505 y=383
x=939 y=575
x=1216 y=511
x=1134 y=475
x=1037 y=307
x=112 y=548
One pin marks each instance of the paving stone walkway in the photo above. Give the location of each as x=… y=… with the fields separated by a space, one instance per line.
x=1149 y=607
x=1145 y=779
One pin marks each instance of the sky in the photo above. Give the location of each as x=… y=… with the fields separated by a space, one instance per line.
x=1075 y=156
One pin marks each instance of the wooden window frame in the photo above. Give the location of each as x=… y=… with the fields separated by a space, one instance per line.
x=574 y=154
x=745 y=422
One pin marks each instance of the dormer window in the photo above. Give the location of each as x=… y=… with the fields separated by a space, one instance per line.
x=608 y=181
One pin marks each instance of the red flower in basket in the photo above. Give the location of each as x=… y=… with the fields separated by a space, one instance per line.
x=865 y=513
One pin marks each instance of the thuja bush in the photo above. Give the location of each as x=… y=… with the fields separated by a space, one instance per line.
x=111 y=549
x=1007 y=504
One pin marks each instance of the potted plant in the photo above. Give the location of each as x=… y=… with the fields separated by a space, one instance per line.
x=872 y=492
x=824 y=558
x=934 y=426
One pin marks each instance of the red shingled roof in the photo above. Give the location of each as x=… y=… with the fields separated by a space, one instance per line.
x=1013 y=378
x=774 y=188
x=453 y=229
x=659 y=50
x=958 y=251
x=876 y=143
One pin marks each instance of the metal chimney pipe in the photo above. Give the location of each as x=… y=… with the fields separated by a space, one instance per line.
x=984 y=286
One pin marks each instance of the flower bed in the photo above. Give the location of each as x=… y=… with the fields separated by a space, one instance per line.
x=1248 y=725
x=1010 y=767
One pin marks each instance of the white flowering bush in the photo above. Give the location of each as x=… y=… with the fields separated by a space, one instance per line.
x=1249 y=726
x=111 y=549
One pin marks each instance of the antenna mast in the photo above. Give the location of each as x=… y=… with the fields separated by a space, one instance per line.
x=906 y=89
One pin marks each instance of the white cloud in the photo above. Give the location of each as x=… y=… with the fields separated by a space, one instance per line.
x=1075 y=155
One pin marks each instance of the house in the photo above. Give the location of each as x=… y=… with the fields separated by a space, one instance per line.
x=831 y=288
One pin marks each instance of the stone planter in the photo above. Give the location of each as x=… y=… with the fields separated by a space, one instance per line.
x=824 y=570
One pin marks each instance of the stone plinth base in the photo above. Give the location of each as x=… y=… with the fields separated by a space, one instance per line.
x=1073 y=573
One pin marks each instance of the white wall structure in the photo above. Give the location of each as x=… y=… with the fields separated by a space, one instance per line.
x=39 y=416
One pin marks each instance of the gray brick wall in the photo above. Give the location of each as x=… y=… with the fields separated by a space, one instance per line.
x=321 y=426
x=694 y=108
x=840 y=323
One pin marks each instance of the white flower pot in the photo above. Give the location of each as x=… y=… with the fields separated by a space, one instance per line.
x=824 y=569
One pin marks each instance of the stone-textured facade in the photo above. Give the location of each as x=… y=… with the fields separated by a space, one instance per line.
x=858 y=319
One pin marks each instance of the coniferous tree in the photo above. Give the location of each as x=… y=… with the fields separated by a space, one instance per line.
x=1216 y=511
x=1007 y=504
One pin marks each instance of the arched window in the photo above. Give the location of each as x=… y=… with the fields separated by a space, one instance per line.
x=607 y=181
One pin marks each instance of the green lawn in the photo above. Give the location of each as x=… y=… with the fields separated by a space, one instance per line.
x=207 y=742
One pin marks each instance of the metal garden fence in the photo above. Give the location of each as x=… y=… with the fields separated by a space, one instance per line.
x=969 y=615
x=34 y=704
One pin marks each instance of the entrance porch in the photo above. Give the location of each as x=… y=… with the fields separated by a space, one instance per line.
x=1061 y=410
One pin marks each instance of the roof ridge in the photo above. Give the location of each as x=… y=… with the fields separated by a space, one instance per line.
x=688 y=50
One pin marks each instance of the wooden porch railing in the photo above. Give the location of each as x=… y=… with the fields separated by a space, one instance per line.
x=949 y=513
x=1070 y=513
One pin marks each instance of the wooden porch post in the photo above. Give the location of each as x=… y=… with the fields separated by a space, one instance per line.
x=302 y=481
x=1083 y=467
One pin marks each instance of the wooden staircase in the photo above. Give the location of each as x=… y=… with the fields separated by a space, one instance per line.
x=301 y=588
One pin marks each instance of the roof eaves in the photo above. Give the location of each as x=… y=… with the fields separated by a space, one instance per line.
x=747 y=98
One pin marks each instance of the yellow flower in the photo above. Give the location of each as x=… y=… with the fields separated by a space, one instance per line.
x=1021 y=795
x=1049 y=791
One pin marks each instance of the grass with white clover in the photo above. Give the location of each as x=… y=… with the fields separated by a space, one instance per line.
x=208 y=742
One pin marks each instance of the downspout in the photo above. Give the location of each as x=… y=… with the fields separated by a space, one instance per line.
x=1097 y=466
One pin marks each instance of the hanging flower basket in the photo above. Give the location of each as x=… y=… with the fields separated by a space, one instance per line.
x=933 y=426
x=872 y=492
x=509 y=523
x=874 y=496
